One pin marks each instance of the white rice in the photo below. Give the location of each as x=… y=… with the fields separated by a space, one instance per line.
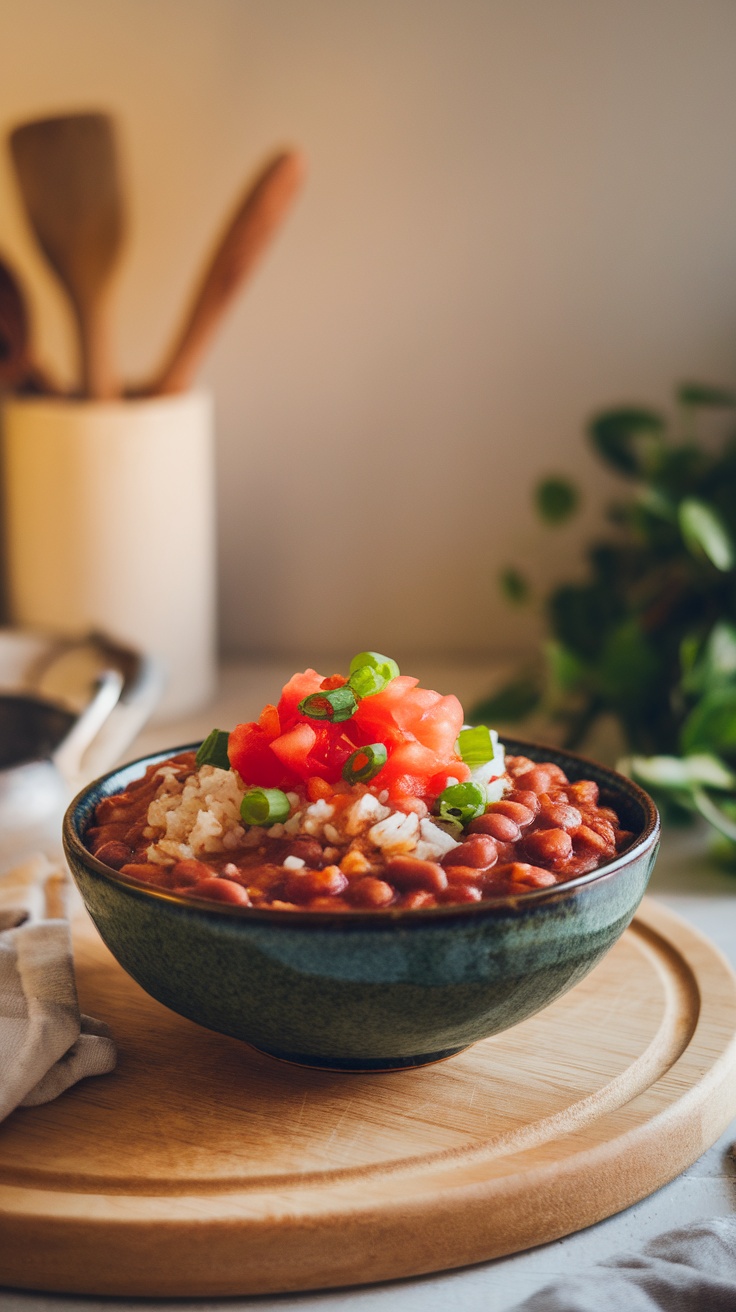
x=201 y=817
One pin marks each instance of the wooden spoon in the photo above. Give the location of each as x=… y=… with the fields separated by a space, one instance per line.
x=68 y=173
x=18 y=373
x=243 y=242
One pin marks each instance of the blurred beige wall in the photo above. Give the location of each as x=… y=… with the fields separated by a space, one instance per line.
x=518 y=211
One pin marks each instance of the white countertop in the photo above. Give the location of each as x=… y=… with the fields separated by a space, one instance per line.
x=683 y=880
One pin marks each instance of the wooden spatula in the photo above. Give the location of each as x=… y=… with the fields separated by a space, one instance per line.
x=67 y=168
x=243 y=242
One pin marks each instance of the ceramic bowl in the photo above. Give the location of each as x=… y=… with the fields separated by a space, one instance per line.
x=367 y=990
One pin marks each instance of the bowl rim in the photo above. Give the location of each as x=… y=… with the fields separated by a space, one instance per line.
x=365 y=918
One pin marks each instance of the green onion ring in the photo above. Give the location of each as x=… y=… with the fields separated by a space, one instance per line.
x=335 y=705
x=461 y=803
x=476 y=745
x=370 y=672
x=264 y=806
x=374 y=757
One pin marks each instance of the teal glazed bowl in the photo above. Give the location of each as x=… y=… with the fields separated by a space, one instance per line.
x=367 y=990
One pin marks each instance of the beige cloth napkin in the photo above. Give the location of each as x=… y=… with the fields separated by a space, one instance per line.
x=46 y=1045
x=688 y=1270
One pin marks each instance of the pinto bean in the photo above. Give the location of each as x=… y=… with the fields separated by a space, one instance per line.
x=524 y=797
x=328 y=904
x=220 y=890
x=150 y=874
x=96 y=835
x=114 y=854
x=465 y=875
x=370 y=892
x=516 y=811
x=584 y=793
x=309 y=851
x=408 y=872
x=496 y=826
x=520 y=873
x=542 y=778
x=548 y=847
x=600 y=825
x=302 y=886
x=558 y=815
x=478 y=851
x=190 y=871
x=418 y=897
x=588 y=840
x=113 y=810
x=460 y=893
x=533 y=876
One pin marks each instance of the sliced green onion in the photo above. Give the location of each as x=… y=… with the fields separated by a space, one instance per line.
x=461 y=803
x=336 y=704
x=370 y=672
x=476 y=746
x=264 y=806
x=367 y=680
x=214 y=750
x=364 y=764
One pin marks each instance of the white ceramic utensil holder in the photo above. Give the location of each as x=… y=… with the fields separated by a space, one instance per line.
x=109 y=524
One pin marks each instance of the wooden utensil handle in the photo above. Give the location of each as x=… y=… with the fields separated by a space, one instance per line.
x=98 y=379
x=239 y=249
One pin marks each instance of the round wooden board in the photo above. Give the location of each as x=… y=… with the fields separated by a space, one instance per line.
x=202 y=1168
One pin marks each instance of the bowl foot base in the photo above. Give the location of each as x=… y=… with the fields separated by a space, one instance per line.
x=359 y=1065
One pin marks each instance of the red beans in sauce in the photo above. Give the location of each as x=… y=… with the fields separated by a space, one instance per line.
x=544 y=831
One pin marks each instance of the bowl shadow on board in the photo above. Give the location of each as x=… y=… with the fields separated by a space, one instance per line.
x=367 y=990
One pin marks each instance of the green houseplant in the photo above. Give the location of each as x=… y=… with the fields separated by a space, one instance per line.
x=649 y=634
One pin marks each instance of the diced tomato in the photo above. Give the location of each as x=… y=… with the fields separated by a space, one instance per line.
x=418 y=726
x=269 y=721
x=454 y=770
x=318 y=788
x=332 y=749
x=440 y=725
x=299 y=686
x=293 y=748
x=249 y=750
x=375 y=715
x=408 y=761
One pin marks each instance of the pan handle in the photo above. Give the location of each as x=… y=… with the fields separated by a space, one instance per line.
x=69 y=754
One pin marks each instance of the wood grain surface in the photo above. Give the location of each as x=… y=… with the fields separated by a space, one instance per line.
x=203 y=1168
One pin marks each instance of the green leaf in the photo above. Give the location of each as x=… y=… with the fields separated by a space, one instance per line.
x=705 y=534
x=709 y=665
x=514 y=701
x=566 y=670
x=514 y=586
x=656 y=502
x=628 y=439
x=704 y=394
x=682 y=772
x=715 y=815
x=556 y=500
x=581 y=617
x=628 y=667
x=711 y=725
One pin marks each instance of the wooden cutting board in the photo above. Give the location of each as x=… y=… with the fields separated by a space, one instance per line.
x=203 y=1168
